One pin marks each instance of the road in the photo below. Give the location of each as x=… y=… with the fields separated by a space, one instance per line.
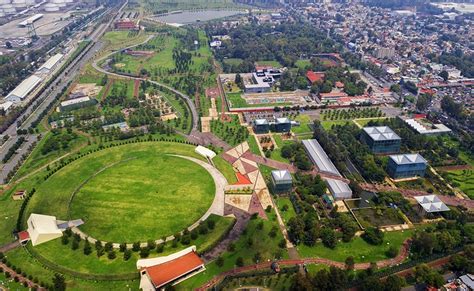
x=48 y=97
x=189 y=101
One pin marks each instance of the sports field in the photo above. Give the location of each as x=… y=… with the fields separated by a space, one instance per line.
x=129 y=193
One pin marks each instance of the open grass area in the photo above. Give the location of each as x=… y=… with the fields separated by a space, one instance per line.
x=305 y=122
x=375 y=217
x=328 y=124
x=302 y=64
x=272 y=63
x=188 y=4
x=254 y=240
x=236 y=101
x=285 y=203
x=363 y=121
x=10 y=284
x=38 y=159
x=464 y=180
x=253 y=146
x=226 y=169
x=358 y=248
x=146 y=191
x=276 y=154
x=233 y=62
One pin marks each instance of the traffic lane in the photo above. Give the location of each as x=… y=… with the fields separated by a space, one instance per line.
x=10 y=165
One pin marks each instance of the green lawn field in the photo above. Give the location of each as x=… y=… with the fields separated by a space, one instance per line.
x=358 y=248
x=465 y=179
x=138 y=199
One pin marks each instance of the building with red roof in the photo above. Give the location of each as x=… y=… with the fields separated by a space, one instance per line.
x=314 y=77
x=23 y=237
x=339 y=84
x=125 y=24
x=156 y=273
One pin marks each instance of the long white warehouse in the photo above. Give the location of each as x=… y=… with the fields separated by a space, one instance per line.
x=50 y=64
x=23 y=89
x=319 y=157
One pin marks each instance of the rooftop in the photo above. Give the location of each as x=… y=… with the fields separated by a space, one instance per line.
x=281 y=175
x=261 y=122
x=319 y=157
x=166 y=272
x=25 y=87
x=339 y=189
x=431 y=203
x=51 y=62
x=379 y=133
x=406 y=159
x=421 y=129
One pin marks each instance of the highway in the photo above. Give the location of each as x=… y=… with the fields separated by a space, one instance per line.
x=48 y=97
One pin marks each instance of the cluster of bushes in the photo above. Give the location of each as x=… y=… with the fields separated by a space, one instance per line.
x=351 y=113
x=295 y=152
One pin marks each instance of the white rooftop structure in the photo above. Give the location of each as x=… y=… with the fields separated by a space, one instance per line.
x=406 y=159
x=30 y=20
x=421 y=129
x=50 y=64
x=42 y=228
x=205 y=152
x=281 y=176
x=431 y=203
x=319 y=157
x=282 y=120
x=6 y=106
x=75 y=101
x=339 y=189
x=379 y=133
x=23 y=89
x=261 y=122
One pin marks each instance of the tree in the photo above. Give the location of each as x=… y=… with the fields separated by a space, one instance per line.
x=425 y=274
x=328 y=236
x=396 y=88
x=239 y=262
x=394 y=283
x=444 y=74
x=373 y=236
x=87 y=248
x=423 y=102
x=220 y=261
x=350 y=263
x=392 y=252
x=301 y=283
x=8 y=45
x=127 y=254
x=59 y=283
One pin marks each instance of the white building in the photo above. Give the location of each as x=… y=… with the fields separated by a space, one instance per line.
x=43 y=228
x=6 y=106
x=431 y=204
x=23 y=89
x=205 y=152
x=50 y=65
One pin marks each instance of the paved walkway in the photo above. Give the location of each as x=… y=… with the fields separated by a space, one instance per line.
x=21 y=279
x=9 y=246
x=297 y=262
x=217 y=206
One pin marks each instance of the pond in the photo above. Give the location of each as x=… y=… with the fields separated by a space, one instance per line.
x=189 y=17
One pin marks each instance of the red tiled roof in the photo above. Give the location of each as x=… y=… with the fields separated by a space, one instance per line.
x=167 y=272
x=339 y=84
x=23 y=235
x=314 y=77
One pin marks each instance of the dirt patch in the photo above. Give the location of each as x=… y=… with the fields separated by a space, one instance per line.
x=119 y=65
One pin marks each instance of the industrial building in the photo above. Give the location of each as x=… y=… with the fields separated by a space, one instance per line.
x=281 y=181
x=406 y=166
x=76 y=103
x=339 y=189
x=381 y=139
x=261 y=126
x=6 y=106
x=50 y=65
x=30 y=20
x=319 y=157
x=23 y=89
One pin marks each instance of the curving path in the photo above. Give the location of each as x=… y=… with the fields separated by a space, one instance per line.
x=189 y=101
x=298 y=262
x=217 y=206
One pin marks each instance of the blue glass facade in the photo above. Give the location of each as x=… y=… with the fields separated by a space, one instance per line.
x=408 y=170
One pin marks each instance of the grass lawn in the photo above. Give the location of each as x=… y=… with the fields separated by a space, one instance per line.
x=358 y=248
x=253 y=146
x=226 y=169
x=302 y=64
x=233 y=61
x=123 y=191
x=328 y=124
x=236 y=101
x=465 y=179
x=252 y=241
x=272 y=63
x=378 y=217
x=363 y=121
x=276 y=154
x=304 y=121
x=10 y=284
x=272 y=282
x=37 y=159
x=285 y=201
